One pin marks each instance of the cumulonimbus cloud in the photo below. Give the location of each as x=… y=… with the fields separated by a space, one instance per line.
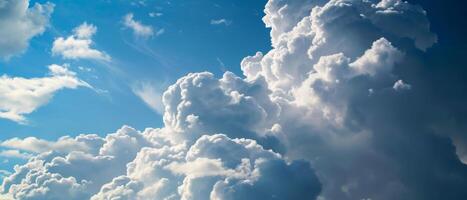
x=322 y=115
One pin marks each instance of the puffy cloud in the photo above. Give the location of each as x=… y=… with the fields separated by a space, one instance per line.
x=78 y=45
x=20 y=96
x=214 y=167
x=76 y=173
x=324 y=62
x=148 y=165
x=20 y=22
x=138 y=28
x=319 y=114
x=200 y=103
x=401 y=85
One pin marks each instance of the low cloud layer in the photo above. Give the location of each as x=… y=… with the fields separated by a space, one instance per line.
x=337 y=109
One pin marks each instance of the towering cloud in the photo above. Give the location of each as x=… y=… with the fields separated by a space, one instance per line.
x=20 y=22
x=327 y=113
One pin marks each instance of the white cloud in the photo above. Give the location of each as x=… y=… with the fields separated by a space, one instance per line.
x=221 y=22
x=78 y=45
x=213 y=168
x=401 y=85
x=138 y=28
x=150 y=95
x=20 y=96
x=64 y=144
x=20 y=22
x=14 y=154
x=307 y=99
x=71 y=171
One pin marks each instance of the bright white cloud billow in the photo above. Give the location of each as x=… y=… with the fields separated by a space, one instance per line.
x=20 y=96
x=78 y=45
x=301 y=124
x=19 y=22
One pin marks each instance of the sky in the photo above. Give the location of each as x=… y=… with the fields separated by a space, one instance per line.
x=264 y=99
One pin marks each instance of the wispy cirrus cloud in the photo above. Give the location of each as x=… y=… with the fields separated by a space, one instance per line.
x=150 y=95
x=221 y=21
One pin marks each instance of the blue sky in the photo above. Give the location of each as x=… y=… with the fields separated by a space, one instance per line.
x=190 y=43
x=263 y=99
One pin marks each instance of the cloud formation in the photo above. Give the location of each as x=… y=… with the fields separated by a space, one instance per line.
x=78 y=45
x=150 y=95
x=220 y=22
x=327 y=113
x=14 y=154
x=20 y=96
x=20 y=22
x=139 y=29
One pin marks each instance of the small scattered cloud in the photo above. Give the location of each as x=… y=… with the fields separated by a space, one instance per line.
x=401 y=85
x=85 y=69
x=78 y=45
x=139 y=29
x=221 y=22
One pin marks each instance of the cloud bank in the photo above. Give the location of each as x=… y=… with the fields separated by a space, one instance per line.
x=20 y=22
x=327 y=113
